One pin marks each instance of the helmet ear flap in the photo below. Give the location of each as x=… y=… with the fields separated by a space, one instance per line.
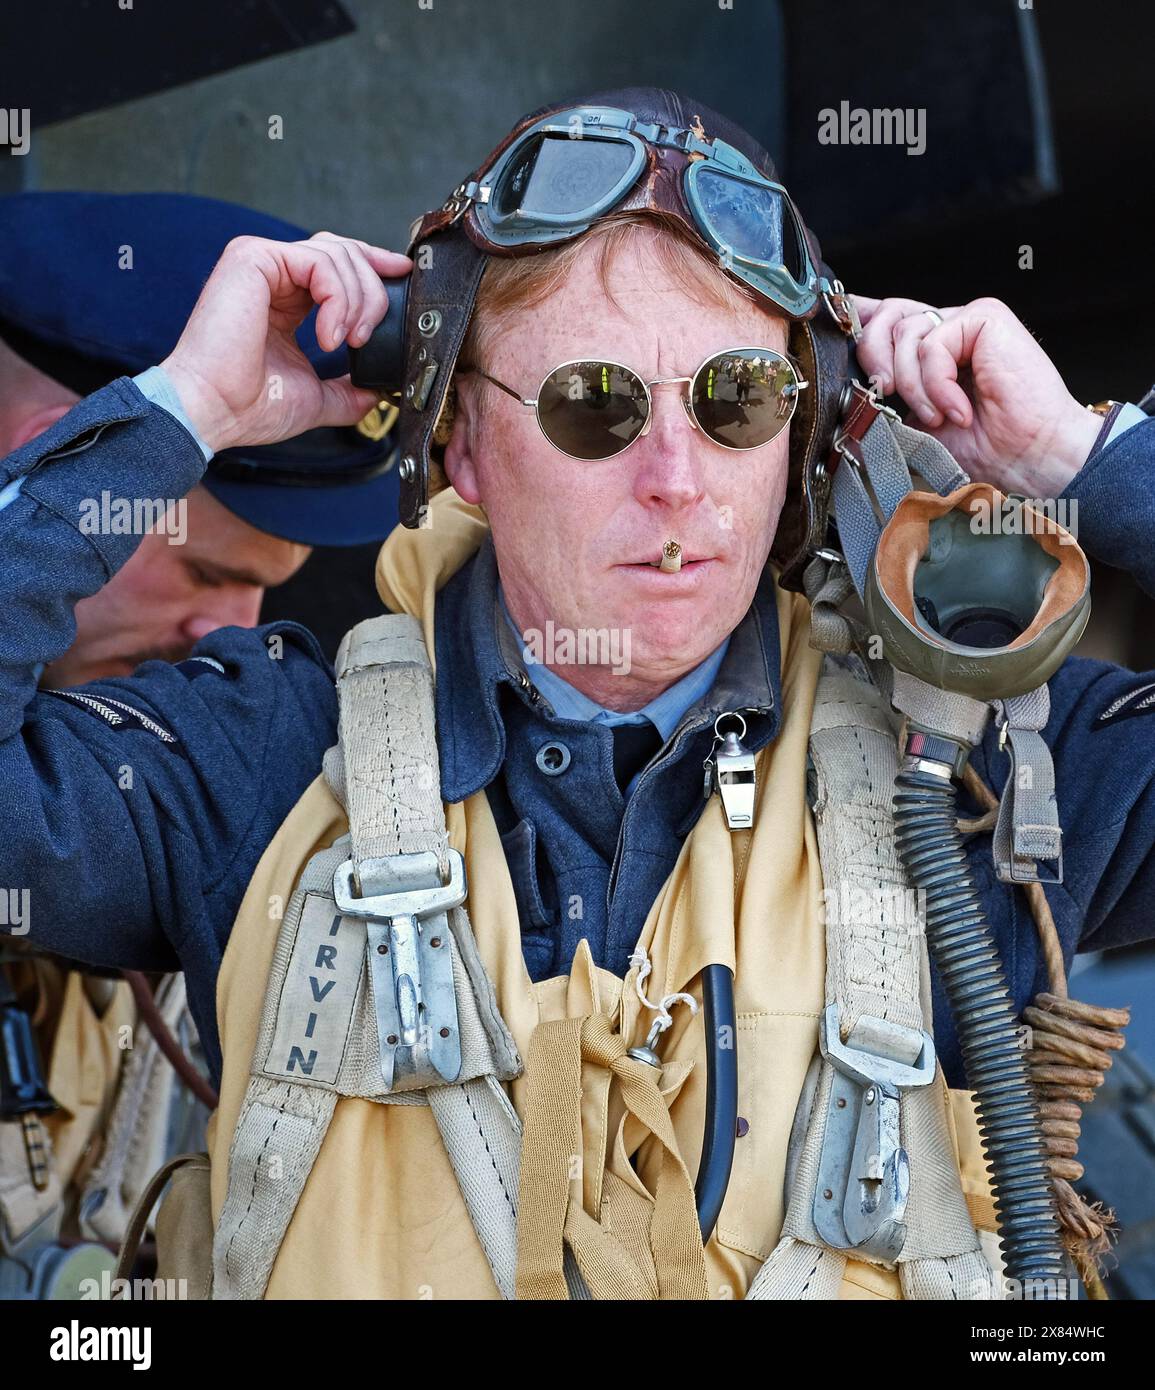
x=793 y=526
x=442 y=293
x=822 y=351
x=442 y=430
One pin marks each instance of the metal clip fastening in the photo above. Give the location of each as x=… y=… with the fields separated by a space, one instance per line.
x=649 y=1053
x=663 y=1019
x=863 y=1170
x=845 y=315
x=405 y=904
x=462 y=196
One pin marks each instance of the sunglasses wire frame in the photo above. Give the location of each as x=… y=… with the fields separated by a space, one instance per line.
x=792 y=391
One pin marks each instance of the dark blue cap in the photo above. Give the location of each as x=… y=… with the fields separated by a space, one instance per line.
x=99 y=285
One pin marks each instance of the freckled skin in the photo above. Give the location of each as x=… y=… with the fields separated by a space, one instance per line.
x=563 y=527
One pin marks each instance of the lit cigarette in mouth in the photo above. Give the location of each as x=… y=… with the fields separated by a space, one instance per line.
x=671 y=558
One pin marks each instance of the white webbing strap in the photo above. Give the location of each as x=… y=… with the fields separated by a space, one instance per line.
x=482 y=1136
x=890 y=452
x=877 y=974
x=386 y=733
x=274 y=1147
x=320 y=1035
x=393 y=798
x=1027 y=829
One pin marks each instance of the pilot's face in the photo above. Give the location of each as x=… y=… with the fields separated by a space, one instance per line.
x=577 y=541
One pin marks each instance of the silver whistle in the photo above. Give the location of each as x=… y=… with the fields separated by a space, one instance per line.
x=730 y=773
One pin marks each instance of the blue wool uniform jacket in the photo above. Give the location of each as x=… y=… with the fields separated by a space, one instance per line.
x=146 y=870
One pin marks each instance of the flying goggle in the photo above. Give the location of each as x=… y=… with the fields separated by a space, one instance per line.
x=567 y=170
x=562 y=173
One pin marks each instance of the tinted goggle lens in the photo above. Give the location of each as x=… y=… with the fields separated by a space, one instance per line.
x=555 y=177
x=753 y=221
x=740 y=399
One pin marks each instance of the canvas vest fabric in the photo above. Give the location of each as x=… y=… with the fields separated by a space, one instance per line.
x=381 y=1215
x=83 y=1028
x=88 y=1054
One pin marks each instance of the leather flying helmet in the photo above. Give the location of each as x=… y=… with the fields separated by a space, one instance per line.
x=549 y=180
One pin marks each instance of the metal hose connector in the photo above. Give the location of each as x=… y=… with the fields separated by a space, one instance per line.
x=960 y=943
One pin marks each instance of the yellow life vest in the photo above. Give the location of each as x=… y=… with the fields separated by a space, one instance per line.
x=87 y=1057
x=381 y=1214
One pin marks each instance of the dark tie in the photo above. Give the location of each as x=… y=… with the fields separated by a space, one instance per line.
x=634 y=746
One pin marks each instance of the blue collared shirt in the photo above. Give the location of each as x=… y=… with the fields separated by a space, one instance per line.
x=664 y=711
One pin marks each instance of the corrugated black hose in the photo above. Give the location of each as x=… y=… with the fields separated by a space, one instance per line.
x=962 y=947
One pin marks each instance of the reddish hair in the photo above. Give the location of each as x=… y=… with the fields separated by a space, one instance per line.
x=510 y=283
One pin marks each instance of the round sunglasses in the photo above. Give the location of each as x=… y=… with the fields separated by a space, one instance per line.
x=593 y=409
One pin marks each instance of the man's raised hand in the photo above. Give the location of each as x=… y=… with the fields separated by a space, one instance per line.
x=979 y=382
x=237 y=369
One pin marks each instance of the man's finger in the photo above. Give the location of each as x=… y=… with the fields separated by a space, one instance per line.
x=942 y=352
x=384 y=262
x=374 y=298
x=866 y=307
x=293 y=266
x=908 y=334
x=338 y=255
x=387 y=263
x=362 y=267
x=342 y=403
x=876 y=347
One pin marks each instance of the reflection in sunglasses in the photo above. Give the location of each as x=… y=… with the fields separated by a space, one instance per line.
x=593 y=409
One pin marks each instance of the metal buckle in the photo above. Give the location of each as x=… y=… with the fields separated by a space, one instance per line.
x=462 y=196
x=841 y=448
x=410 y=962
x=863 y=1170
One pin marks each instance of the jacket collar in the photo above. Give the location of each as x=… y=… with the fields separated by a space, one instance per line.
x=478 y=653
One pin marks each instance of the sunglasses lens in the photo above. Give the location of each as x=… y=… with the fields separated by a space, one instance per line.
x=592 y=410
x=743 y=398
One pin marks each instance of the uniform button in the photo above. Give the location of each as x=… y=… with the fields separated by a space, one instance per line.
x=553 y=758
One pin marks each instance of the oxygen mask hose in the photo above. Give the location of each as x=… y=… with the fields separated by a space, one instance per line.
x=973 y=614
x=961 y=945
